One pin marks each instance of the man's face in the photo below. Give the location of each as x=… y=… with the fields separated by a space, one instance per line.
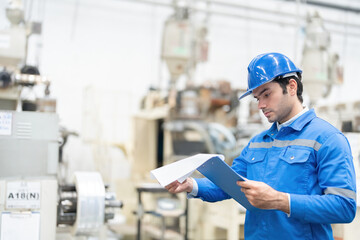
x=275 y=105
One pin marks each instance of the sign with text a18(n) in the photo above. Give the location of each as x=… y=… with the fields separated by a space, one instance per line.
x=5 y=123
x=23 y=195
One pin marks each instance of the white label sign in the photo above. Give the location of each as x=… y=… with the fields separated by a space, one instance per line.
x=4 y=41
x=20 y=226
x=23 y=195
x=5 y=123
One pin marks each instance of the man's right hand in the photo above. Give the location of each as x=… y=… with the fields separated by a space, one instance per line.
x=177 y=187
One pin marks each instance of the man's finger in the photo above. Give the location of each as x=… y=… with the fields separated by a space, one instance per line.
x=171 y=185
x=244 y=184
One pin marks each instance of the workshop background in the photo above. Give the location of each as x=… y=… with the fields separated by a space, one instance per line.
x=113 y=89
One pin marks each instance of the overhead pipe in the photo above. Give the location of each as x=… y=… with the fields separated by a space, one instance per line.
x=279 y=13
x=240 y=6
x=329 y=5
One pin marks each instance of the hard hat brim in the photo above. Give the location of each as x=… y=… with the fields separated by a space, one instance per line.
x=249 y=91
x=245 y=94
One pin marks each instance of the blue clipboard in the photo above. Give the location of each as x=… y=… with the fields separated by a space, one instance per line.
x=220 y=173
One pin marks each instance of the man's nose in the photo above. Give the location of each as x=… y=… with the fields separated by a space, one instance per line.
x=261 y=104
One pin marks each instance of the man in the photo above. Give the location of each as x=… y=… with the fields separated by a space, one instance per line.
x=300 y=171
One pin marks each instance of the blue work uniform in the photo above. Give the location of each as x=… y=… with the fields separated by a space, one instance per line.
x=310 y=160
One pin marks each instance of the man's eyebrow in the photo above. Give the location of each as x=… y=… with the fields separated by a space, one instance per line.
x=264 y=90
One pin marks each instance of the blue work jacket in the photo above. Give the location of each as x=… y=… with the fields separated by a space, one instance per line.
x=309 y=159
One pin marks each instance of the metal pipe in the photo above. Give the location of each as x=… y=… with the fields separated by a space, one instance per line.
x=262 y=10
x=329 y=5
x=275 y=12
x=246 y=7
x=310 y=2
x=219 y=13
x=151 y=2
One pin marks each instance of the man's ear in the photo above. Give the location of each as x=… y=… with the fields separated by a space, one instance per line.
x=292 y=87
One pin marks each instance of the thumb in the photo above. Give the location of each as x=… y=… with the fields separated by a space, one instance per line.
x=244 y=184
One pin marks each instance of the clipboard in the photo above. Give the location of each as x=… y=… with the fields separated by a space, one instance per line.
x=217 y=171
x=211 y=166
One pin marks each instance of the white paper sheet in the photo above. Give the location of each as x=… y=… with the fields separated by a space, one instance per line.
x=181 y=169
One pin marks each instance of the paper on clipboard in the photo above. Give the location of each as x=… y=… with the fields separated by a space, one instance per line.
x=211 y=166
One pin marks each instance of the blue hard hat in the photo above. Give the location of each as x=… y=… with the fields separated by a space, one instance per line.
x=266 y=67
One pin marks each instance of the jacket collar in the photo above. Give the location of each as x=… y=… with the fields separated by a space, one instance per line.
x=297 y=125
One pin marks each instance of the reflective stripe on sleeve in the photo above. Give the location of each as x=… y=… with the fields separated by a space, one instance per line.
x=278 y=143
x=341 y=192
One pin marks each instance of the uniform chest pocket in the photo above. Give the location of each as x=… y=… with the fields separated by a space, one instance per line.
x=255 y=156
x=295 y=155
x=255 y=164
x=294 y=169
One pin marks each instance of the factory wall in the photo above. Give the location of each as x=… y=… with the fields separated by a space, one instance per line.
x=102 y=56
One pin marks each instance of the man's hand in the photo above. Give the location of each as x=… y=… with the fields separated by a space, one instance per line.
x=176 y=187
x=263 y=196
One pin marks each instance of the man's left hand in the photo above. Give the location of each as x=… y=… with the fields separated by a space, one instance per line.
x=263 y=196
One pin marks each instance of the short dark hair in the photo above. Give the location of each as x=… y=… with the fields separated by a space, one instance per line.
x=283 y=82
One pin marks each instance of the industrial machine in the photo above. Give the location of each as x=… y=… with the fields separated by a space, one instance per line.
x=30 y=193
x=184 y=44
x=33 y=194
x=179 y=122
x=200 y=118
x=320 y=67
x=197 y=118
x=28 y=183
x=19 y=78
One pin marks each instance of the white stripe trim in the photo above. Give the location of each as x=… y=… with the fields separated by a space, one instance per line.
x=278 y=143
x=341 y=192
